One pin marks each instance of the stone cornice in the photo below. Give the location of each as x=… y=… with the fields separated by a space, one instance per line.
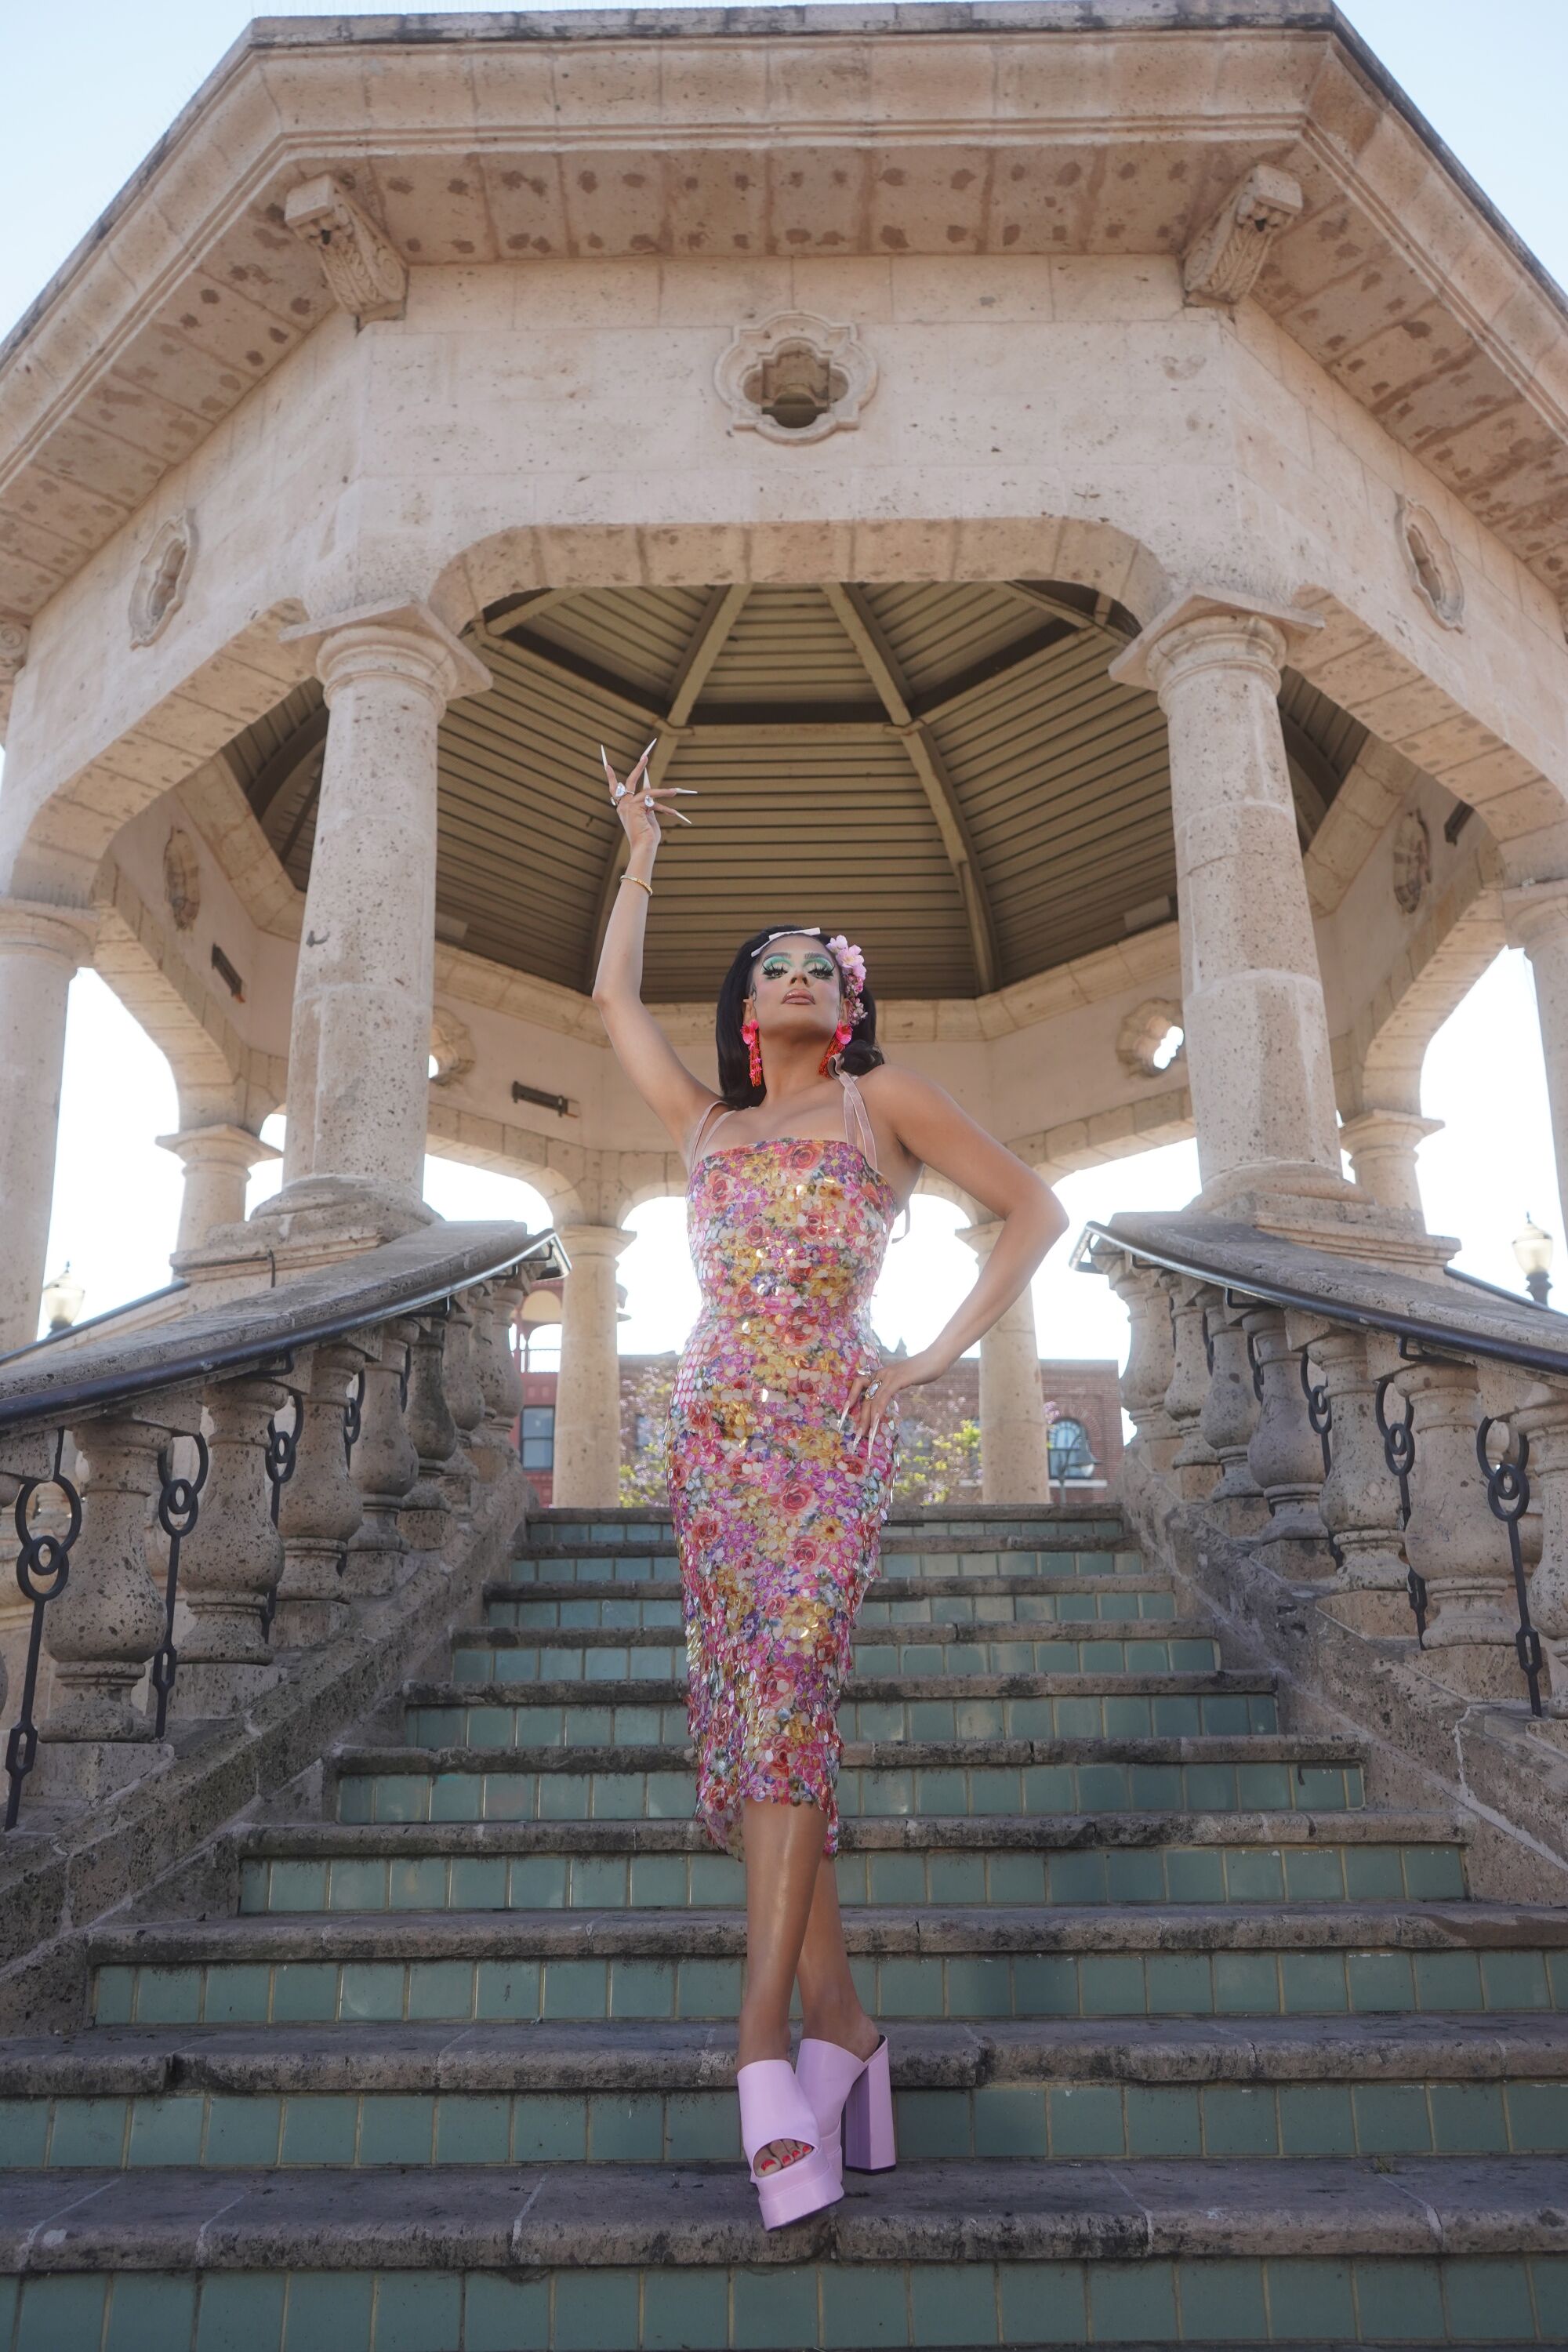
x=197 y=240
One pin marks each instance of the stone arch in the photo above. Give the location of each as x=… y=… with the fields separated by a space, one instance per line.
x=1434 y=972
x=525 y=557
x=220 y=1077
x=55 y=830
x=1525 y=811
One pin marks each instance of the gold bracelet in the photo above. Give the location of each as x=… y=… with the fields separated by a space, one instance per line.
x=640 y=883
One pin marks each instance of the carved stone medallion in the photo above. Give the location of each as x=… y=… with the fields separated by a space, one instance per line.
x=161 y=579
x=795 y=377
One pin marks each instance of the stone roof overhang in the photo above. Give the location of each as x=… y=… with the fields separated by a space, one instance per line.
x=1033 y=125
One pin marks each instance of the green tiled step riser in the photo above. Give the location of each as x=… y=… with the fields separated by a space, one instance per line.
x=1021 y=1985
x=632 y=1567
x=1062 y=1654
x=869 y=1794
x=1096 y=1716
x=1067 y=2121
x=1366 y=1873
x=642 y=1612
x=800 y=2306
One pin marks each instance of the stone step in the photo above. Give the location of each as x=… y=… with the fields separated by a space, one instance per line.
x=895 y=1779
x=1145 y=1858
x=1430 y=2250
x=374 y=2094
x=878 y=1778
x=913 y=1710
x=890 y=1600
x=505 y=1653
x=1195 y=1960
x=1047 y=1563
x=586 y=1528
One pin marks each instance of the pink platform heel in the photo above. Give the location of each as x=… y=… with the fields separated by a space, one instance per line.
x=852 y=2099
x=773 y=2106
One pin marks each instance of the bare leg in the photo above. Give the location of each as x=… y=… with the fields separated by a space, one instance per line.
x=783 y=1850
x=831 y=2010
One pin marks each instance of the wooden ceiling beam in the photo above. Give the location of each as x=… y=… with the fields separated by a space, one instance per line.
x=279 y=769
x=718 y=618
x=859 y=623
x=1009 y=663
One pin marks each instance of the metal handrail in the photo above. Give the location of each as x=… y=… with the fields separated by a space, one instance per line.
x=398 y=1278
x=1424 y=1331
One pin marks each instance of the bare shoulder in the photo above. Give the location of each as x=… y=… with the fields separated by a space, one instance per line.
x=898 y=1091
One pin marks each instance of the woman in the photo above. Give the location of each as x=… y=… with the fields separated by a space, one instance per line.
x=781 y=1444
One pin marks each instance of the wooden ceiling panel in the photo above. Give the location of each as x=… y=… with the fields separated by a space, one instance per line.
x=816 y=802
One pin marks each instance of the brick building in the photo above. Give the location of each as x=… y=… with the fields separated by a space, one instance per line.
x=1085 y=1437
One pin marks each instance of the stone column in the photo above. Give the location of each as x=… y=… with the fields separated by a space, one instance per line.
x=1015 y=1453
x=1256 y=1028
x=1537 y=919
x=588 y=1386
x=1383 y=1146
x=41 y=949
x=218 y=1162
x=359 y=1048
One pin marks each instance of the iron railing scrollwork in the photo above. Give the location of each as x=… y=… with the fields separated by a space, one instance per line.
x=278 y=1457
x=1508 y=1492
x=179 y=1501
x=43 y=1567
x=354 y=1417
x=1399 y=1453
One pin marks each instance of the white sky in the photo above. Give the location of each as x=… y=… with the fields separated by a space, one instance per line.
x=86 y=92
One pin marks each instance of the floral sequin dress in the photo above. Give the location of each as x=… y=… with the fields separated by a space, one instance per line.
x=778 y=1513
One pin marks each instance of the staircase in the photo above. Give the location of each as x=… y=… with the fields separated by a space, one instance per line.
x=1192 y=2044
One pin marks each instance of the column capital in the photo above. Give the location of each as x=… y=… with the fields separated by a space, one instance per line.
x=593 y=1240
x=1535 y=914
x=1203 y=627
x=404 y=640
x=229 y=1146
x=32 y=927
x=1390 y=1129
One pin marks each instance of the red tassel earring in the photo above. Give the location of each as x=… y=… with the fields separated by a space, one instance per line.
x=753 y=1051
x=841 y=1037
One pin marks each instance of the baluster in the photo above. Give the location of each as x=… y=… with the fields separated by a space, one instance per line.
x=177 y=1508
x=465 y=1401
x=1149 y=1361
x=43 y=1568
x=1229 y=1413
x=425 y=1516
x=106 y=1622
x=1452 y=1541
x=500 y=1384
x=231 y=1565
x=318 y=1509
x=1286 y=1455
x=386 y=1465
x=1508 y=1497
x=1358 y=1503
x=1543 y=1423
x=1193 y=1465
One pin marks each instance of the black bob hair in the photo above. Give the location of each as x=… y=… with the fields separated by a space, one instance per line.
x=861 y=1053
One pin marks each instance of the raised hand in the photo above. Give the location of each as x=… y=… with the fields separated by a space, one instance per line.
x=640 y=811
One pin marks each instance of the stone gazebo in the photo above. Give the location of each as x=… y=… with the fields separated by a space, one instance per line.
x=1085 y=503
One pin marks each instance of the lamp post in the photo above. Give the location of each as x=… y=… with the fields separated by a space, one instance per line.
x=62 y=1299
x=1532 y=1249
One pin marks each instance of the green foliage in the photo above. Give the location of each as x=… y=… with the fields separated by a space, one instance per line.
x=937 y=1465
x=644 y=1479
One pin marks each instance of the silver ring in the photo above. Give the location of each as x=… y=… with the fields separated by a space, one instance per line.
x=619 y=794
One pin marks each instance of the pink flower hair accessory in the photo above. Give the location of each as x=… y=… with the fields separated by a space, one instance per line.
x=851 y=962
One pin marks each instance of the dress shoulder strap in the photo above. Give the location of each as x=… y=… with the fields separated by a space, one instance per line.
x=855 y=1109
x=723 y=1113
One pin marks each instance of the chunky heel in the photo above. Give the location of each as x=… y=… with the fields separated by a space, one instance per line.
x=773 y=2106
x=868 y=2116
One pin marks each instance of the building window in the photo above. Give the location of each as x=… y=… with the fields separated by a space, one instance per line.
x=1071 y=1456
x=539 y=1436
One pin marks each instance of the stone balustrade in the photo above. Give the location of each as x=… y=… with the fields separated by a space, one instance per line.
x=199 y=1505
x=1337 y=1417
